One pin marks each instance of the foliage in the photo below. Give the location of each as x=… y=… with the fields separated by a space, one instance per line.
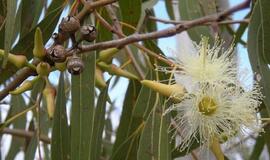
x=70 y=108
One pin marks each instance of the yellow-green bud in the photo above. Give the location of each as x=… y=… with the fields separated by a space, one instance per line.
x=114 y=70
x=43 y=69
x=99 y=80
x=107 y=54
x=27 y=85
x=175 y=91
x=49 y=94
x=18 y=60
x=207 y=105
x=39 y=50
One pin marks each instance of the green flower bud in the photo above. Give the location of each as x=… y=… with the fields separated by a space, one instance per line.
x=49 y=94
x=114 y=70
x=39 y=50
x=107 y=54
x=175 y=91
x=99 y=80
x=27 y=85
x=43 y=69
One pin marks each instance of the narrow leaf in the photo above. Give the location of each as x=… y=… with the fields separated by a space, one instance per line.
x=60 y=133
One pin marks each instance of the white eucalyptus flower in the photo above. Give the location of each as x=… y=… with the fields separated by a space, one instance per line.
x=215 y=111
x=210 y=64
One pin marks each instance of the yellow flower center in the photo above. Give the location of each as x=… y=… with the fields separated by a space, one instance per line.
x=207 y=105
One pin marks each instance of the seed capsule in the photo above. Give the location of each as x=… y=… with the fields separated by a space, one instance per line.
x=88 y=33
x=69 y=24
x=57 y=53
x=75 y=65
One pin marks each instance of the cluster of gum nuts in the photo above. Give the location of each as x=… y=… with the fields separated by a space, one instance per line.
x=68 y=27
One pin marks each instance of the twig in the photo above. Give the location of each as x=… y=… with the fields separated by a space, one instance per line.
x=165 y=21
x=89 y=6
x=25 y=134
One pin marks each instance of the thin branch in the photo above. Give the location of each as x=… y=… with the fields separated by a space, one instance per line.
x=89 y=6
x=165 y=21
x=25 y=134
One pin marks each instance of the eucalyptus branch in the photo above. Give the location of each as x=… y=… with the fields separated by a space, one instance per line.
x=25 y=134
x=165 y=21
x=171 y=31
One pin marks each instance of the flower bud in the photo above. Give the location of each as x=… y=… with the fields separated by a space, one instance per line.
x=175 y=91
x=49 y=94
x=88 y=33
x=27 y=85
x=69 y=24
x=107 y=54
x=43 y=69
x=39 y=50
x=114 y=70
x=75 y=65
x=99 y=80
x=57 y=53
x=18 y=60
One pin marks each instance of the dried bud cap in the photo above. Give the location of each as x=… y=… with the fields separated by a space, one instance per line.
x=175 y=91
x=75 y=65
x=49 y=94
x=43 y=69
x=69 y=24
x=39 y=50
x=88 y=33
x=57 y=53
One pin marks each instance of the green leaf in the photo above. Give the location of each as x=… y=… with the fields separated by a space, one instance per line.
x=256 y=50
x=60 y=148
x=258 y=148
x=82 y=112
x=191 y=9
x=9 y=28
x=31 y=10
x=129 y=102
x=169 y=8
x=31 y=144
x=144 y=104
x=98 y=125
x=17 y=105
x=130 y=12
x=155 y=141
x=264 y=9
